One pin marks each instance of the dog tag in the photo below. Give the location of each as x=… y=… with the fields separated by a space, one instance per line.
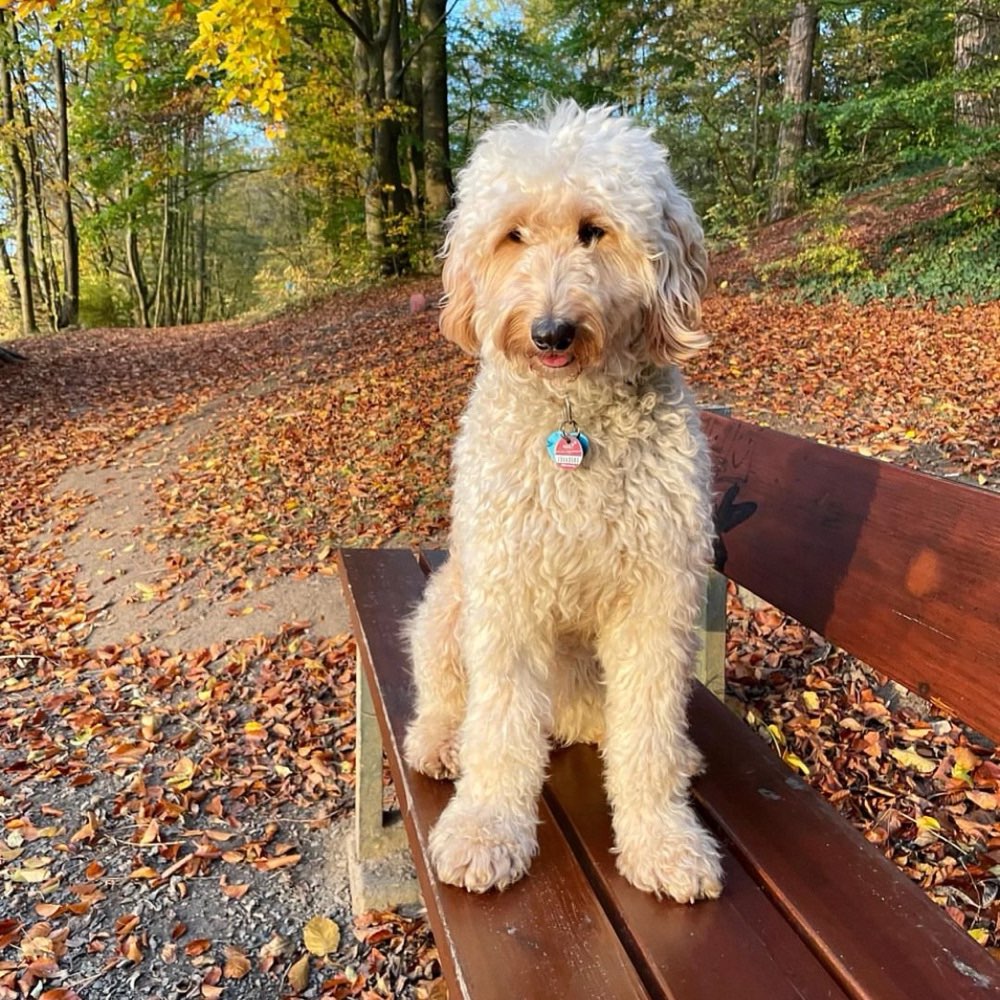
x=567 y=449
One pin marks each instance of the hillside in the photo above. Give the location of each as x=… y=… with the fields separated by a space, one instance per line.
x=934 y=237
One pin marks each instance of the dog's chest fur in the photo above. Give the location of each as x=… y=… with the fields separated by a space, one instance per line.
x=641 y=490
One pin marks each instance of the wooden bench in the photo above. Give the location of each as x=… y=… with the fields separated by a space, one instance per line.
x=899 y=568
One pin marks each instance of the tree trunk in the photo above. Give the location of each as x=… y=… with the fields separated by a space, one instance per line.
x=200 y=250
x=133 y=262
x=378 y=83
x=434 y=107
x=977 y=44
x=792 y=132
x=13 y=291
x=162 y=295
x=140 y=294
x=69 y=301
x=44 y=259
x=22 y=226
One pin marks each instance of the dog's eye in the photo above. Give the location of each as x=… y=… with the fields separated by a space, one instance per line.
x=514 y=236
x=588 y=234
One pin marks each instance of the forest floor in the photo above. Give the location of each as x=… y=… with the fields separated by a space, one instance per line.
x=177 y=681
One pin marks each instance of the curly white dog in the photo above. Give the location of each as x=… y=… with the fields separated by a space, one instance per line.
x=581 y=521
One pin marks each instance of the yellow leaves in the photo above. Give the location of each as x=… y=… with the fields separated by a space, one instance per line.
x=965 y=763
x=246 y=41
x=911 y=759
x=928 y=830
x=321 y=936
x=26 y=7
x=811 y=700
x=796 y=762
x=34 y=870
x=787 y=756
x=184 y=771
x=254 y=730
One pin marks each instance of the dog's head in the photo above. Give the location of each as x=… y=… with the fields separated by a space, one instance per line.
x=571 y=248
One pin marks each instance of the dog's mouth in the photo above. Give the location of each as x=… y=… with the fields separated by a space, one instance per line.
x=556 y=359
x=555 y=364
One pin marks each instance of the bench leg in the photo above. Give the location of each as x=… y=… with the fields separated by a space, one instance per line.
x=381 y=869
x=710 y=665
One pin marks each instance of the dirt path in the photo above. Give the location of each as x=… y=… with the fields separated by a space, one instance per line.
x=176 y=696
x=120 y=561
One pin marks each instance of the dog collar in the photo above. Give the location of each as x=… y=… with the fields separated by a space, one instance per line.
x=568 y=445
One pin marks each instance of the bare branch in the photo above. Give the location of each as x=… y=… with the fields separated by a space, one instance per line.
x=358 y=30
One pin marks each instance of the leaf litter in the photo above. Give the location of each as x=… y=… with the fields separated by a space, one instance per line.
x=168 y=814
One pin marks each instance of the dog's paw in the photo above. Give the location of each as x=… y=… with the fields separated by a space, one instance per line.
x=680 y=860
x=478 y=851
x=432 y=749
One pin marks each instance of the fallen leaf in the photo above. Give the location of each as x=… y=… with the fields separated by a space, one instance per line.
x=321 y=936
x=298 y=974
x=197 y=947
x=236 y=964
x=910 y=758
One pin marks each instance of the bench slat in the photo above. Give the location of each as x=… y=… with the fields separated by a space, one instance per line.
x=547 y=929
x=874 y=929
x=877 y=558
x=751 y=950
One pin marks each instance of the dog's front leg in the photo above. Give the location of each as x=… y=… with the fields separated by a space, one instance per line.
x=649 y=759
x=486 y=837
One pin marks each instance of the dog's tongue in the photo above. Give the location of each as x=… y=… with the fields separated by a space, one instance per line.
x=555 y=360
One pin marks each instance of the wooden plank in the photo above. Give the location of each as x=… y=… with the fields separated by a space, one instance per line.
x=898 y=567
x=737 y=946
x=548 y=928
x=870 y=925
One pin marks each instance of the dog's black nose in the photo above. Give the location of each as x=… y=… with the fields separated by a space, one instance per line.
x=550 y=334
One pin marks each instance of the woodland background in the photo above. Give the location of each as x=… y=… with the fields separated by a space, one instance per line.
x=171 y=161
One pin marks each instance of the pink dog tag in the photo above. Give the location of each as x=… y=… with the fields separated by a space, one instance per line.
x=566 y=450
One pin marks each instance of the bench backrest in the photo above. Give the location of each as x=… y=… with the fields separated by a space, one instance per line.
x=899 y=568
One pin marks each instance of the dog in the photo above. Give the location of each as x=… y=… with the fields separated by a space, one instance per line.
x=581 y=527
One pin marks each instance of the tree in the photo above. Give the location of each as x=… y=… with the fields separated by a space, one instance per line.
x=434 y=106
x=21 y=278
x=378 y=81
x=977 y=51
x=795 y=96
x=68 y=308
x=244 y=49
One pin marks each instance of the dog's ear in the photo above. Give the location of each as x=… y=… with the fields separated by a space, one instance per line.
x=459 y=305
x=673 y=319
